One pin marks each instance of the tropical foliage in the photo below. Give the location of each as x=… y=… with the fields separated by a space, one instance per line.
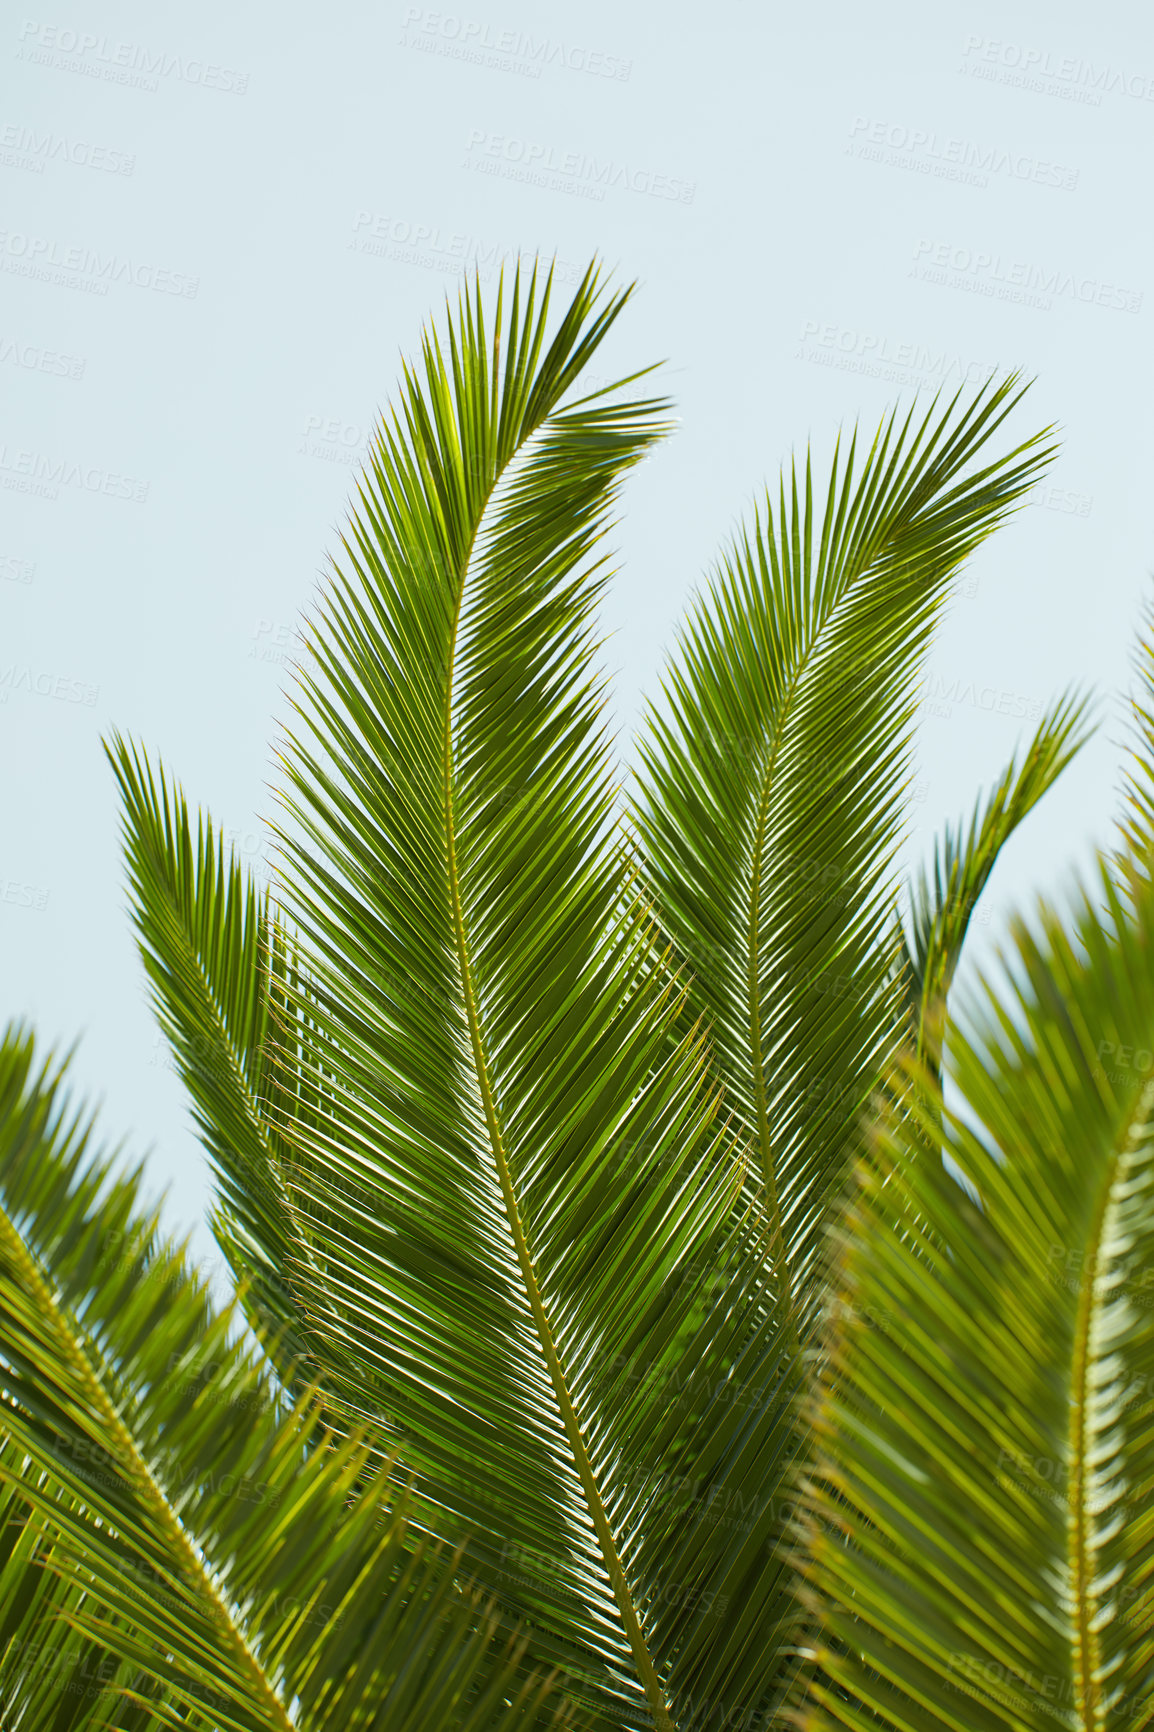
x=579 y=1157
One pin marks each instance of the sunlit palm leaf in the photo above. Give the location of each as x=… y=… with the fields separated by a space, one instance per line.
x=519 y=1144
x=981 y=1550
x=217 y=957
x=163 y=1504
x=943 y=901
x=52 y=1678
x=772 y=778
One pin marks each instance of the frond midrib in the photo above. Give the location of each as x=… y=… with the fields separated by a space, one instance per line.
x=629 y=1615
x=1087 y=1646
x=753 y=982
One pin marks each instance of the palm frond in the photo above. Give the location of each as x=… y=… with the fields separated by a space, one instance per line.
x=980 y=1546
x=52 y=1677
x=217 y=956
x=516 y=1182
x=942 y=901
x=170 y=1517
x=772 y=779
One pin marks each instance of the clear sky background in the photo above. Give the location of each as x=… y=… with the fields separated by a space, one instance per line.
x=221 y=227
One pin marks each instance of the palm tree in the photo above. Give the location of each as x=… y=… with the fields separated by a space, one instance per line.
x=530 y=1112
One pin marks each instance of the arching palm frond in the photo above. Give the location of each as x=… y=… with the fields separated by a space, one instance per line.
x=772 y=780
x=516 y=1157
x=217 y=955
x=980 y=1547
x=943 y=900
x=178 y=1544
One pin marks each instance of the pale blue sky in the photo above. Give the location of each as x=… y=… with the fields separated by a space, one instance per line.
x=222 y=225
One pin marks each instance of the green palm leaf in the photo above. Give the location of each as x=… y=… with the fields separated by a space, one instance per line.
x=51 y=1675
x=217 y=956
x=980 y=1548
x=943 y=901
x=771 y=787
x=516 y=1142
x=169 y=1524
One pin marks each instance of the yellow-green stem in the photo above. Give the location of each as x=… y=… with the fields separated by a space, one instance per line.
x=647 y=1672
